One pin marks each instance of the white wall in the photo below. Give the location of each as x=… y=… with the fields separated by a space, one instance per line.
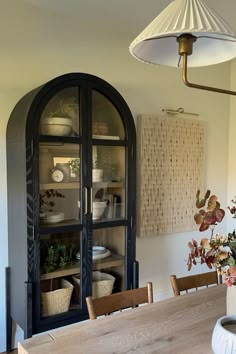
x=7 y=102
x=231 y=153
x=146 y=89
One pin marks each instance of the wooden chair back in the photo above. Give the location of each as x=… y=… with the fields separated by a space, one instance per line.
x=116 y=302
x=194 y=281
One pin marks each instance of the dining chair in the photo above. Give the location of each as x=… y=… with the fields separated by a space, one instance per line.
x=194 y=281
x=119 y=301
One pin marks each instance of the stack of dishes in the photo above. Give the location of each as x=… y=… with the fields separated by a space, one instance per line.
x=99 y=252
x=59 y=126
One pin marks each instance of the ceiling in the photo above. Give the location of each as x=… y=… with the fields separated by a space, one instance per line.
x=35 y=32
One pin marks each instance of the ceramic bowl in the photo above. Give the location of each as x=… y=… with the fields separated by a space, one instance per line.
x=56 y=126
x=57 y=120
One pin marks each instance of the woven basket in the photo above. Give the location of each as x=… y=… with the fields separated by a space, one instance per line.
x=57 y=301
x=102 y=284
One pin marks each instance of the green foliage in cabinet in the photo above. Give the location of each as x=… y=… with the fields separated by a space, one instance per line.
x=55 y=255
x=75 y=165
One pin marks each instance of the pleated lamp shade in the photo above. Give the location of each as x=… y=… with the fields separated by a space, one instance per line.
x=157 y=44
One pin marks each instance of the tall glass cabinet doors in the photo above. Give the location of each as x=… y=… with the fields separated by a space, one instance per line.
x=79 y=200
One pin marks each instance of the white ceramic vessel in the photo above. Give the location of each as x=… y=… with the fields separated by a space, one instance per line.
x=231 y=300
x=224 y=335
x=58 y=126
x=97 y=175
x=98 y=209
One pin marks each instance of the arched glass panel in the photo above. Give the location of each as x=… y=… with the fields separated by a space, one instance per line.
x=106 y=120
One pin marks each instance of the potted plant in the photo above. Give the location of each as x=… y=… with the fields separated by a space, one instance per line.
x=75 y=168
x=55 y=255
x=97 y=171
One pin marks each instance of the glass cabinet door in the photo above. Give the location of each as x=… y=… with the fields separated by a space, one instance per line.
x=59 y=273
x=108 y=177
x=108 y=255
x=106 y=120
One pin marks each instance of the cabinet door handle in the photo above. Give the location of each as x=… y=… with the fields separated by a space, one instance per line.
x=91 y=200
x=85 y=200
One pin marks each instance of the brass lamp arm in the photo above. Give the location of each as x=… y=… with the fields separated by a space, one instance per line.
x=197 y=86
x=186 y=48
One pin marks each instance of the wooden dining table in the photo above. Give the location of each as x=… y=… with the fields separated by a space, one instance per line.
x=179 y=325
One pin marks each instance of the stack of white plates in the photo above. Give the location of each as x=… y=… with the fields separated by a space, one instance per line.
x=99 y=252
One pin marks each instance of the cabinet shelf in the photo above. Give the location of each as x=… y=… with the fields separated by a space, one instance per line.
x=76 y=185
x=112 y=261
x=66 y=185
x=108 y=184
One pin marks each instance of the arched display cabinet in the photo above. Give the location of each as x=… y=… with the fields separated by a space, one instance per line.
x=71 y=200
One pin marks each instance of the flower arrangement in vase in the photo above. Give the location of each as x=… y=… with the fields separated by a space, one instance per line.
x=219 y=251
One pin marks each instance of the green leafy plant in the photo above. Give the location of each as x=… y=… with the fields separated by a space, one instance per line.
x=55 y=255
x=75 y=165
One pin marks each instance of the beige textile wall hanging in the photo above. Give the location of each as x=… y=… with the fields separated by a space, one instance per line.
x=170 y=163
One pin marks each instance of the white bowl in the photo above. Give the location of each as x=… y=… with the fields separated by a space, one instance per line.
x=98 y=209
x=55 y=129
x=59 y=126
x=57 y=120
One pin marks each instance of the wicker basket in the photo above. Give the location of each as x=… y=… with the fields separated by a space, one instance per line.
x=57 y=301
x=102 y=284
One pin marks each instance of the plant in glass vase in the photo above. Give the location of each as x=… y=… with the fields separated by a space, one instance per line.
x=46 y=204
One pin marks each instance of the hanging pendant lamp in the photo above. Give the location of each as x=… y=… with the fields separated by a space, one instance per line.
x=187 y=32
